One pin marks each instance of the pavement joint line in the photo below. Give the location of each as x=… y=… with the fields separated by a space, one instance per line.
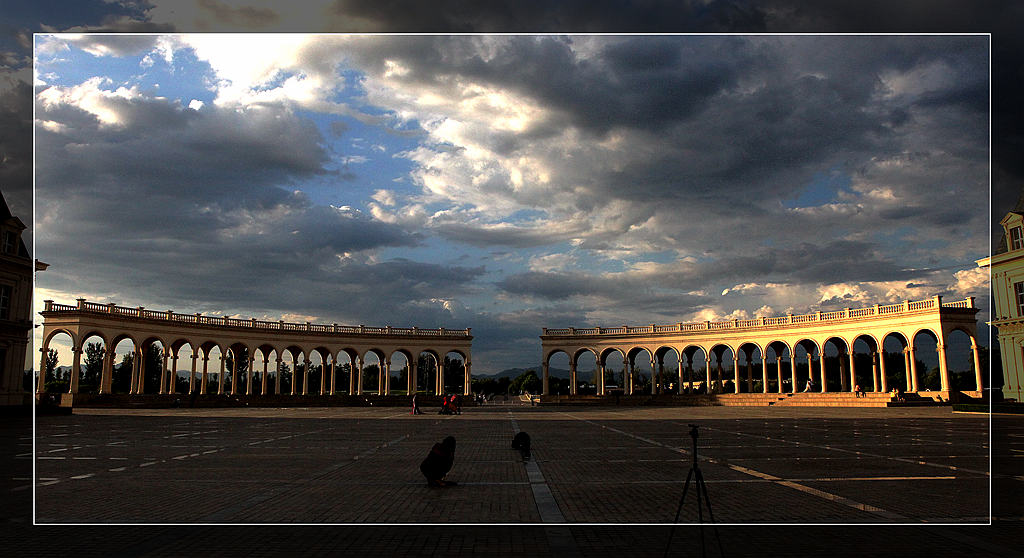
x=85 y=476
x=225 y=513
x=560 y=539
x=787 y=483
x=869 y=454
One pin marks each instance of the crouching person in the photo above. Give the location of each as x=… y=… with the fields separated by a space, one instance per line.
x=438 y=462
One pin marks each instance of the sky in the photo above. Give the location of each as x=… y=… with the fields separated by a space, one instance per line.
x=508 y=182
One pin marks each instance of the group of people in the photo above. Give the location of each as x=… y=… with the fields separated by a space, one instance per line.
x=450 y=405
x=441 y=458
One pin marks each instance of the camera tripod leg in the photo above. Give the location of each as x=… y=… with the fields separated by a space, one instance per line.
x=702 y=487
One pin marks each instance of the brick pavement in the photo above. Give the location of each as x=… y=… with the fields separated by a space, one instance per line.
x=602 y=466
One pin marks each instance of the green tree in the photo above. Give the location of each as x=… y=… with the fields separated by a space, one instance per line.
x=51 y=364
x=121 y=379
x=243 y=366
x=527 y=382
x=94 y=354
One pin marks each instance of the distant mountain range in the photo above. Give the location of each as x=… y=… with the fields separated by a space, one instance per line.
x=512 y=373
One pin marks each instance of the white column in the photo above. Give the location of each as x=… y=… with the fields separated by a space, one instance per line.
x=334 y=371
x=204 y=380
x=411 y=379
x=172 y=386
x=707 y=374
x=655 y=375
x=357 y=364
x=764 y=371
x=853 y=368
x=467 y=366
x=874 y=371
x=881 y=371
x=220 y=375
x=978 y=385
x=679 y=372
x=250 y=371
x=76 y=369
x=778 y=371
x=163 y=374
x=821 y=369
x=305 y=374
x=192 y=374
x=234 y=373
x=735 y=372
x=943 y=368
x=572 y=377
x=41 y=385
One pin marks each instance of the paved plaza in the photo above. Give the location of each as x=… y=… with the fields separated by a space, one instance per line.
x=599 y=478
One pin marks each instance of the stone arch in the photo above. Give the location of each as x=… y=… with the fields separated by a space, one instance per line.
x=754 y=378
x=722 y=382
x=428 y=363
x=962 y=360
x=127 y=346
x=371 y=376
x=805 y=373
x=181 y=365
x=696 y=378
x=864 y=364
x=454 y=376
x=237 y=371
x=57 y=381
x=586 y=356
x=637 y=381
x=609 y=378
x=292 y=375
x=152 y=369
x=836 y=364
x=402 y=378
x=550 y=383
x=264 y=368
x=781 y=350
x=894 y=361
x=667 y=380
x=93 y=363
x=318 y=371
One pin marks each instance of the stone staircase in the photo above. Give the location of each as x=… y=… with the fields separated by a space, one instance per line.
x=836 y=399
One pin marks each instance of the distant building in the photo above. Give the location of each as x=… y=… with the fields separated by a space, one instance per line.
x=1007 y=268
x=16 y=269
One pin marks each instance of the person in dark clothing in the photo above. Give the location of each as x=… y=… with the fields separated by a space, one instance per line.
x=415 y=406
x=521 y=442
x=438 y=462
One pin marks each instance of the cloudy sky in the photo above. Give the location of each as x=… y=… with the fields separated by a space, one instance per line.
x=507 y=183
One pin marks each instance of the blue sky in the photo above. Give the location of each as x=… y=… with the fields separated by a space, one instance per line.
x=508 y=183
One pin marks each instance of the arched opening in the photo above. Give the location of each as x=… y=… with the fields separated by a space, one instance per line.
x=372 y=381
x=558 y=374
x=343 y=376
x=960 y=361
x=236 y=369
x=586 y=372
x=399 y=373
x=836 y=374
x=640 y=373
x=317 y=372
x=211 y=379
x=613 y=364
x=57 y=362
x=666 y=373
x=264 y=369
x=925 y=351
x=806 y=372
x=427 y=366
x=454 y=372
x=751 y=362
x=181 y=375
x=94 y=351
x=291 y=370
x=778 y=380
x=152 y=367
x=696 y=367
x=124 y=367
x=723 y=377
x=895 y=365
x=865 y=364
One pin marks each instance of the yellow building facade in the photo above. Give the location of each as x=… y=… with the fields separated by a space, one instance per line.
x=1007 y=281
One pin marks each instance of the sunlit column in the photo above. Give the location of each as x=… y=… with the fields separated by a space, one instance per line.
x=172 y=387
x=204 y=380
x=76 y=369
x=882 y=381
x=466 y=379
x=874 y=371
x=821 y=369
x=977 y=366
x=735 y=372
x=656 y=370
x=384 y=379
x=234 y=373
x=439 y=379
x=334 y=372
x=108 y=371
x=192 y=374
x=764 y=371
x=792 y=369
x=778 y=370
x=853 y=368
x=906 y=369
x=627 y=372
x=680 y=372
x=943 y=367
x=41 y=385
x=351 y=375
x=220 y=375
x=599 y=371
x=708 y=388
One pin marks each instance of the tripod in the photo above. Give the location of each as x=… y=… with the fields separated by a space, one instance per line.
x=701 y=488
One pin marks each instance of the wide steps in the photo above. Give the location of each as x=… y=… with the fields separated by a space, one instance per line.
x=843 y=399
